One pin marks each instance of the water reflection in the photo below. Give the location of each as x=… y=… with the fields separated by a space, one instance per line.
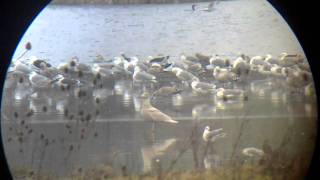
x=152 y=153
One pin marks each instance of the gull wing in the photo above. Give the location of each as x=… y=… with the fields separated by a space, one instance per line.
x=157 y=115
x=144 y=75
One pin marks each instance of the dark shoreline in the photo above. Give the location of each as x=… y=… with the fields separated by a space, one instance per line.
x=114 y=2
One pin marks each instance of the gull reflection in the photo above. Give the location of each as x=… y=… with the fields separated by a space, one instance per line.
x=203 y=110
x=275 y=97
x=126 y=99
x=227 y=105
x=150 y=153
x=119 y=87
x=211 y=161
x=177 y=100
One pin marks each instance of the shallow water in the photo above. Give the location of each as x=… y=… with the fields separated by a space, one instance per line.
x=66 y=131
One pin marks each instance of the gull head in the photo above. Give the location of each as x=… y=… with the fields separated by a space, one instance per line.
x=207 y=128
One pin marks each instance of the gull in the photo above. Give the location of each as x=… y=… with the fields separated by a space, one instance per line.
x=216 y=60
x=252 y=151
x=155 y=68
x=189 y=58
x=226 y=94
x=23 y=67
x=240 y=67
x=224 y=75
x=39 y=81
x=212 y=135
x=202 y=87
x=153 y=114
x=257 y=60
x=37 y=62
x=141 y=76
x=203 y=59
x=183 y=75
x=129 y=66
x=66 y=83
x=104 y=71
x=271 y=60
x=194 y=67
x=166 y=91
x=158 y=59
x=287 y=60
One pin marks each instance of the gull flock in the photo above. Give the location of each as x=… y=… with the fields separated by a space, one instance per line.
x=165 y=75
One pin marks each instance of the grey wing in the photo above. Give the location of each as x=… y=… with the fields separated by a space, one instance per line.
x=157 y=115
x=203 y=85
x=145 y=76
x=214 y=132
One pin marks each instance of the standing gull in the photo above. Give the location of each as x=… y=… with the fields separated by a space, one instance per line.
x=212 y=135
x=153 y=114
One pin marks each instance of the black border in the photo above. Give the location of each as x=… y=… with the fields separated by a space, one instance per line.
x=17 y=15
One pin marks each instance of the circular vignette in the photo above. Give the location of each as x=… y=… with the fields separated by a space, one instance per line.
x=16 y=17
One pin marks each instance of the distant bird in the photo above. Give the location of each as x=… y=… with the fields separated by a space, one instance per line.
x=166 y=91
x=202 y=87
x=104 y=71
x=217 y=61
x=155 y=68
x=228 y=94
x=23 y=67
x=287 y=60
x=241 y=67
x=37 y=62
x=189 y=58
x=224 y=75
x=39 y=81
x=212 y=135
x=203 y=59
x=66 y=83
x=252 y=151
x=184 y=75
x=158 y=59
x=153 y=114
x=141 y=76
x=257 y=60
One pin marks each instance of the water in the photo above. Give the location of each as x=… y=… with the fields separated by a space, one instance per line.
x=247 y=26
x=68 y=135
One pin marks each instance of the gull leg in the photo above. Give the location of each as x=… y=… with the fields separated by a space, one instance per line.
x=153 y=131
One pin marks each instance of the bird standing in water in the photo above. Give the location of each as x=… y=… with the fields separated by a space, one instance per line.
x=212 y=135
x=153 y=114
